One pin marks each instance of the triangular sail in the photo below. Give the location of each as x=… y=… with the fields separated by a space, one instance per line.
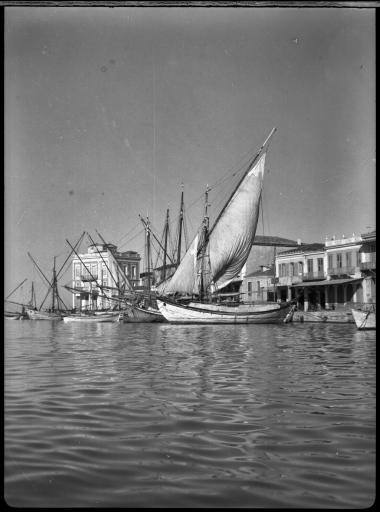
x=184 y=278
x=230 y=241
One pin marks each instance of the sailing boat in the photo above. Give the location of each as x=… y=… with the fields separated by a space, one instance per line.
x=16 y=315
x=55 y=312
x=216 y=256
x=144 y=307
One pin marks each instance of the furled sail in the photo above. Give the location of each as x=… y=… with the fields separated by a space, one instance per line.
x=184 y=278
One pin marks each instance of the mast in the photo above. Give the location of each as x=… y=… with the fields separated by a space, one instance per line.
x=17 y=287
x=205 y=228
x=147 y=238
x=125 y=278
x=166 y=231
x=155 y=237
x=54 y=287
x=33 y=296
x=180 y=230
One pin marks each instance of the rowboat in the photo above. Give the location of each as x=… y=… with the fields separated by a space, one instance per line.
x=138 y=314
x=85 y=318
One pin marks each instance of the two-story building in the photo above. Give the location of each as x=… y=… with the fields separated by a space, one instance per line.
x=100 y=274
x=336 y=275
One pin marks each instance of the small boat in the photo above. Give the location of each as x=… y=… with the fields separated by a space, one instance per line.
x=365 y=318
x=216 y=256
x=14 y=315
x=58 y=309
x=91 y=318
x=35 y=314
x=142 y=314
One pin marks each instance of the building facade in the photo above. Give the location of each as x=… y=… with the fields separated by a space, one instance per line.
x=334 y=275
x=99 y=274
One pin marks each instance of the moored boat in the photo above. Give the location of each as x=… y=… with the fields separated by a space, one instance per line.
x=217 y=255
x=91 y=318
x=218 y=313
x=35 y=314
x=365 y=319
x=139 y=314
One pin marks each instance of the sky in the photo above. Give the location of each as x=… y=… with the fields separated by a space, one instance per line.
x=111 y=112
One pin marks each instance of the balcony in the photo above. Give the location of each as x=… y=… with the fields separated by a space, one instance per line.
x=289 y=280
x=313 y=276
x=368 y=265
x=89 y=277
x=341 y=271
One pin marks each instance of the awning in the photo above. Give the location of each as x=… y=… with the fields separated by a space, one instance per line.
x=325 y=282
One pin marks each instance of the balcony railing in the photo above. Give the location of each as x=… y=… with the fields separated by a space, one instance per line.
x=340 y=271
x=89 y=277
x=311 y=276
x=368 y=265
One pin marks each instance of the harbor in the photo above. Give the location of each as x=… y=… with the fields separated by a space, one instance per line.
x=190 y=256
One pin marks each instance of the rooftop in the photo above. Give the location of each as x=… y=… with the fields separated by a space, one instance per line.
x=304 y=248
x=274 y=241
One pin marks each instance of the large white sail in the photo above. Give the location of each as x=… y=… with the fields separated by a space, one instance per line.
x=184 y=278
x=230 y=240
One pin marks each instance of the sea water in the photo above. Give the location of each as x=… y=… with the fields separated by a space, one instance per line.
x=161 y=415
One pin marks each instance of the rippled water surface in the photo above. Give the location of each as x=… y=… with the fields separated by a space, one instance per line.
x=145 y=415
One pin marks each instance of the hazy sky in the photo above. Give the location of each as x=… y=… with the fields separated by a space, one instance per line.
x=109 y=110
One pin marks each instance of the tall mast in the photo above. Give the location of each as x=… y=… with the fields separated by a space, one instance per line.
x=166 y=243
x=147 y=231
x=205 y=229
x=180 y=230
x=54 y=287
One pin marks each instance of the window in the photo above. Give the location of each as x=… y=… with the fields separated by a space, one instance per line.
x=249 y=289
x=358 y=258
x=77 y=271
x=291 y=269
x=133 y=268
x=348 y=259
x=330 y=260
x=339 y=260
x=104 y=270
x=309 y=266
x=94 y=269
x=258 y=288
x=320 y=264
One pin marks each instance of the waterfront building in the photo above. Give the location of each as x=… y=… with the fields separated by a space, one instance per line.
x=98 y=275
x=259 y=286
x=297 y=266
x=256 y=280
x=334 y=275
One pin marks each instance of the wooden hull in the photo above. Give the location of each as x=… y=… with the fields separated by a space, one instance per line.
x=15 y=316
x=137 y=314
x=204 y=313
x=43 y=315
x=364 y=319
x=324 y=317
x=112 y=317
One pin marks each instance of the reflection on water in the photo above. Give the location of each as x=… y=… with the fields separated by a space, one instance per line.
x=139 y=415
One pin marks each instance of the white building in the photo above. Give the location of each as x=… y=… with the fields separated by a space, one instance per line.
x=100 y=274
